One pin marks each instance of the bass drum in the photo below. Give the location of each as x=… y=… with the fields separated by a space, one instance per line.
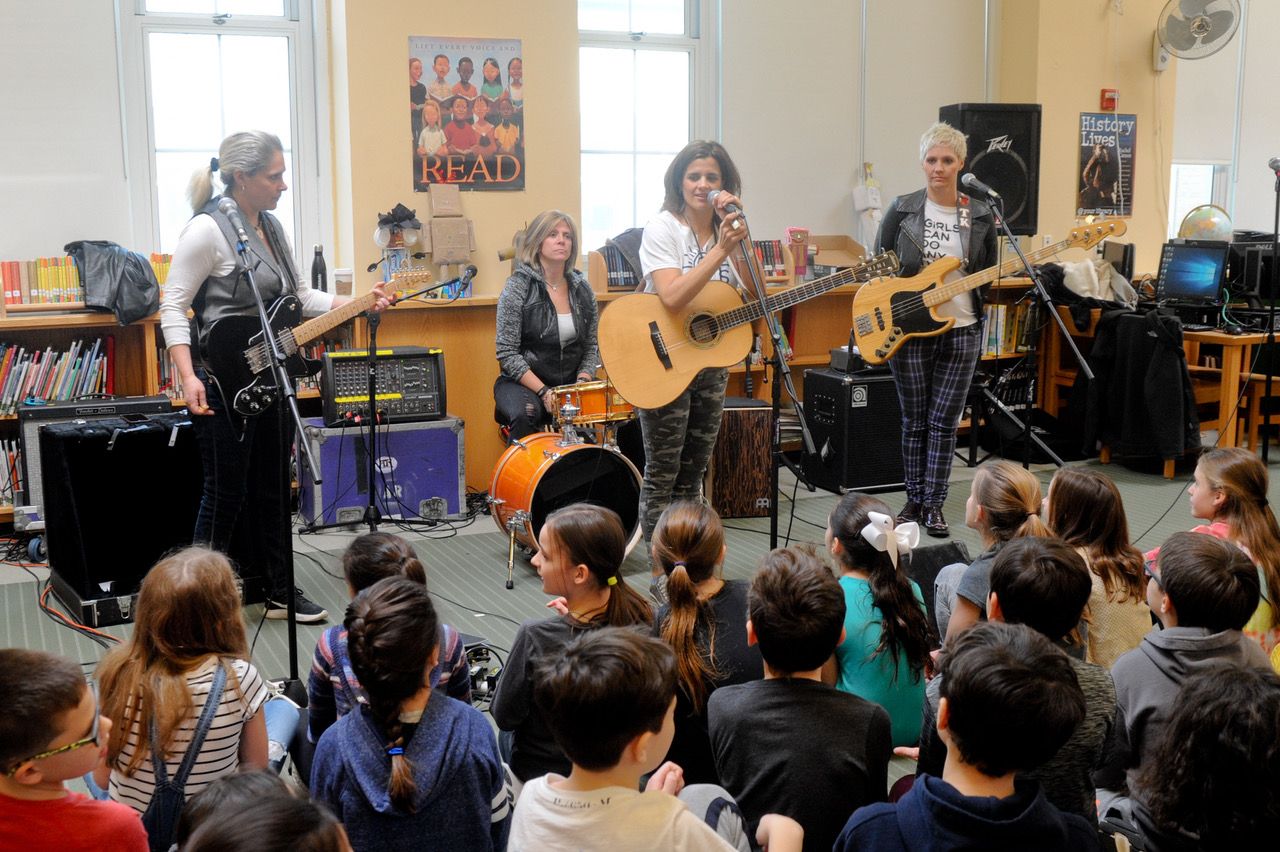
x=542 y=476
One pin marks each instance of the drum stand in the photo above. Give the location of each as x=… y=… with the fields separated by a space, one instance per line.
x=518 y=519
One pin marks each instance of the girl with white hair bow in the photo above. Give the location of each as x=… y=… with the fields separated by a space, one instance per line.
x=886 y=645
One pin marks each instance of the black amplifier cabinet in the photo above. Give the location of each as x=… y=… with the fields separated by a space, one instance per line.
x=32 y=417
x=410 y=385
x=120 y=492
x=856 y=424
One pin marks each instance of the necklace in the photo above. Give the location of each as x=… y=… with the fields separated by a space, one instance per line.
x=583 y=616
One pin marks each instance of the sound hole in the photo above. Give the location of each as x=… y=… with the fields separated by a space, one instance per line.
x=702 y=328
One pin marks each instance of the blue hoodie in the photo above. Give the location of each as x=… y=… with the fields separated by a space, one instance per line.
x=463 y=800
x=933 y=815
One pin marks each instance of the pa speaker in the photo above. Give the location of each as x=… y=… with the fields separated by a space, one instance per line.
x=1004 y=153
x=856 y=424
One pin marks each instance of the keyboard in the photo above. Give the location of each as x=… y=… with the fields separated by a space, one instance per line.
x=1197 y=326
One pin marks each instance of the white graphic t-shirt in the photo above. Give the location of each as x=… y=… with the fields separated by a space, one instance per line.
x=942 y=239
x=670 y=244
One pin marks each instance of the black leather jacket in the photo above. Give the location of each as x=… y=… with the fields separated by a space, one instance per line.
x=528 y=335
x=903 y=231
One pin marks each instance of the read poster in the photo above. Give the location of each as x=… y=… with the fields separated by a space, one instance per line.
x=1107 y=142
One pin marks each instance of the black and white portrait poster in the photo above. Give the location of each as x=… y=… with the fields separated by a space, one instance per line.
x=1107 y=143
x=466 y=112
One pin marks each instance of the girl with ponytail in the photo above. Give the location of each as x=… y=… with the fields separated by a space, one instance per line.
x=579 y=558
x=886 y=646
x=410 y=767
x=1004 y=504
x=333 y=688
x=705 y=623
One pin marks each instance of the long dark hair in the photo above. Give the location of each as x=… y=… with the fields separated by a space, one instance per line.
x=904 y=630
x=592 y=535
x=687 y=543
x=1085 y=511
x=392 y=632
x=1215 y=769
x=377 y=555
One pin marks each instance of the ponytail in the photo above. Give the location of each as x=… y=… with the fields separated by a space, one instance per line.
x=245 y=152
x=1010 y=498
x=1244 y=481
x=592 y=535
x=386 y=625
x=374 y=556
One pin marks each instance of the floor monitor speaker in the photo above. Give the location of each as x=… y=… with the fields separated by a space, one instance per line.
x=1004 y=153
x=856 y=424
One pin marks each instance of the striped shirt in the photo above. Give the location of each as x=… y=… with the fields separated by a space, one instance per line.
x=221 y=752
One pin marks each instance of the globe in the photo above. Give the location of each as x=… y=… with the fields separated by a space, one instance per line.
x=1206 y=222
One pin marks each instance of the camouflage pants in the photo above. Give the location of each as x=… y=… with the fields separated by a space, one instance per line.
x=678 y=439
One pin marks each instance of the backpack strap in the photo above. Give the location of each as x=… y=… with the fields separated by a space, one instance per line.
x=197 y=737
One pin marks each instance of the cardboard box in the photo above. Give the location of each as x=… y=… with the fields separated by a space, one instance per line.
x=444 y=199
x=420 y=472
x=838 y=251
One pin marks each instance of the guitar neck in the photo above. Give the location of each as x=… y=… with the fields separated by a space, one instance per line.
x=313 y=328
x=790 y=298
x=946 y=292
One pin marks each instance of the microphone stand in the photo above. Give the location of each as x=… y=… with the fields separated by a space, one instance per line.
x=781 y=375
x=294 y=687
x=1271 y=318
x=1038 y=289
x=372 y=516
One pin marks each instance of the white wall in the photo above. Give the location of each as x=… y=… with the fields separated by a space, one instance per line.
x=1260 y=120
x=62 y=171
x=791 y=84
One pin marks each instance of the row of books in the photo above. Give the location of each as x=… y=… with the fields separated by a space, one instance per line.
x=10 y=470
x=1010 y=328
x=50 y=374
x=171 y=387
x=56 y=280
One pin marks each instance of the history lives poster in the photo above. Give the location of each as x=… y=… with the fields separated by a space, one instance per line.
x=1107 y=143
x=466 y=112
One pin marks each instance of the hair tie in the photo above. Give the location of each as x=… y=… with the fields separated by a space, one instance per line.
x=395 y=751
x=680 y=563
x=613 y=581
x=213 y=164
x=880 y=529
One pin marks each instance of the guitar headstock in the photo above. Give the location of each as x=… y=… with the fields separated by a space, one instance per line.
x=407 y=279
x=884 y=264
x=1088 y=236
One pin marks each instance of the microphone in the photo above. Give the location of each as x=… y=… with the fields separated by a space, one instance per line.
x=970 y=181
x=228 y=207
x=464 y=280
x=728 y=208
x=1274 y=164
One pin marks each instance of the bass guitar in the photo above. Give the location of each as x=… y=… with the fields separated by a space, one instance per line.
x=652 y=353
x=239 y=359
x=886 y=314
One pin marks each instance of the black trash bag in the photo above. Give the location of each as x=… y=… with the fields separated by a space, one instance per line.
x=115 y=279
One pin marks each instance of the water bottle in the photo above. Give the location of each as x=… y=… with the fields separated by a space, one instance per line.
x=319 y=275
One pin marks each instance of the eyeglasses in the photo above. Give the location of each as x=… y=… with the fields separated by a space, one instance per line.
x=92 y=739
x=1146 y=569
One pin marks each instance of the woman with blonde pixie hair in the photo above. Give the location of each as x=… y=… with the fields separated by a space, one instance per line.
x=547 y=318
x=932 y=374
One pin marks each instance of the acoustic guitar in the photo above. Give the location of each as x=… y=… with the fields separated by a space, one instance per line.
x=652 y=353
x=239 y=360
x=886 y=314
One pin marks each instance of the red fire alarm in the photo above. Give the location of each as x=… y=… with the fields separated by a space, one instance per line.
x=1110 y=98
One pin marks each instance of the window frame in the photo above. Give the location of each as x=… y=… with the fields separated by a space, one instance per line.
x=302 y=25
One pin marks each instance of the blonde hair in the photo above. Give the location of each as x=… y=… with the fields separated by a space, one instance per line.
x=941 y=133
x=1243 y=480
x=538 y=230
x=246 y=152
x=188 y=611
x=1010 y=499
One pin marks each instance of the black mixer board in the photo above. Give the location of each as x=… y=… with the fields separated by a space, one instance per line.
x=410 y=385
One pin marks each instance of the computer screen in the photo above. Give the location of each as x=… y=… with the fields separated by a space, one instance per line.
x=1191 y=272
x=1120 y=256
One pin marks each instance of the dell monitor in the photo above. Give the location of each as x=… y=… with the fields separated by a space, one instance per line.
x=1191 y=272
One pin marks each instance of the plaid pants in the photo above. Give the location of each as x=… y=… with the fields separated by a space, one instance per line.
x=933 y=375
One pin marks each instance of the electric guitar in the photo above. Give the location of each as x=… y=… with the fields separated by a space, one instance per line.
x=652 y=354
x=239 y=359
x=886 y=314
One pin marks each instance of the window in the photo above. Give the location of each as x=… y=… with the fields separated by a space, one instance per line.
x=200 y=70
x=1193 y=184
x=646 y=89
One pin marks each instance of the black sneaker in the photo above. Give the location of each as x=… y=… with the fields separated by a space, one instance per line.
x=934 y=524
x=305 y=610
x=913 y=511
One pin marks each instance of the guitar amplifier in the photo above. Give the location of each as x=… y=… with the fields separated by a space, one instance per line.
x=32 y=417
x=856 y=423
x=410 y=385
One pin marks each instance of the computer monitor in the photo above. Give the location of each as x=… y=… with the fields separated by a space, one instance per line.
x=1191 y=272
x=1120 y=256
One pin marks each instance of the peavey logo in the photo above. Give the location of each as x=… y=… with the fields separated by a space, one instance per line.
x=999 y=143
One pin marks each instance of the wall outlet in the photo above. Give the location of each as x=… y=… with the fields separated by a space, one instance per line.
x=1046 y=240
